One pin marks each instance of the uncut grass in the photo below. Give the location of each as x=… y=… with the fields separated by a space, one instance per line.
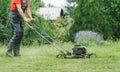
x=43 y=59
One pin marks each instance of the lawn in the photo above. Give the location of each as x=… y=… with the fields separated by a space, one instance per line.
x=43 y=59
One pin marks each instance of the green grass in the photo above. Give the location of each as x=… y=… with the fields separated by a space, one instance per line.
x=43 y=59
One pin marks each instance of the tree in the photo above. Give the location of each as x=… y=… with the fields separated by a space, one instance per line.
x=71 y=4
x=98 y=15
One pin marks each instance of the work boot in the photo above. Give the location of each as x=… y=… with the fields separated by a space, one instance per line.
x=9 y=54
x=9 y=49
x=16 y=53
x=16 y=50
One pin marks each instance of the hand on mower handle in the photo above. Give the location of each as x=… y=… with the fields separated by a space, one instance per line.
x=32 y=19
x=27 y=20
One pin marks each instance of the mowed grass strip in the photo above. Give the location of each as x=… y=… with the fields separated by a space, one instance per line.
x=43 y=59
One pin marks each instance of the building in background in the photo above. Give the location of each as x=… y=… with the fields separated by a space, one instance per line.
x=51 y=13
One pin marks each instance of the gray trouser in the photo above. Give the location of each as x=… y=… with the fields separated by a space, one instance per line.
x=14 y=43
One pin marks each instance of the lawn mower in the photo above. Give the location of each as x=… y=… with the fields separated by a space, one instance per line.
x=78 y=50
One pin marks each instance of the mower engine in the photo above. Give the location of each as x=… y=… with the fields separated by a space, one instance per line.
x=79 y=51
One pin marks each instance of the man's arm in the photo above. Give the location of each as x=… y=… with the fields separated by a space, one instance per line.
x=29 y=13
x=21 y=13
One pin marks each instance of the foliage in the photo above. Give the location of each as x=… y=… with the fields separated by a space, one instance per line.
x=63 y=27
x=71 y=4
x=4 y=21
x=99 y=16
x=35 y=4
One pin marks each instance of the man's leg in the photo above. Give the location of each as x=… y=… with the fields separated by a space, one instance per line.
x=10 y=44
x=18 y=40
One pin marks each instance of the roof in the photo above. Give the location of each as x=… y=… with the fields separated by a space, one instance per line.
x=50 y=13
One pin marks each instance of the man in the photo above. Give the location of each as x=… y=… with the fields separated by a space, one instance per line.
x=17 y=16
